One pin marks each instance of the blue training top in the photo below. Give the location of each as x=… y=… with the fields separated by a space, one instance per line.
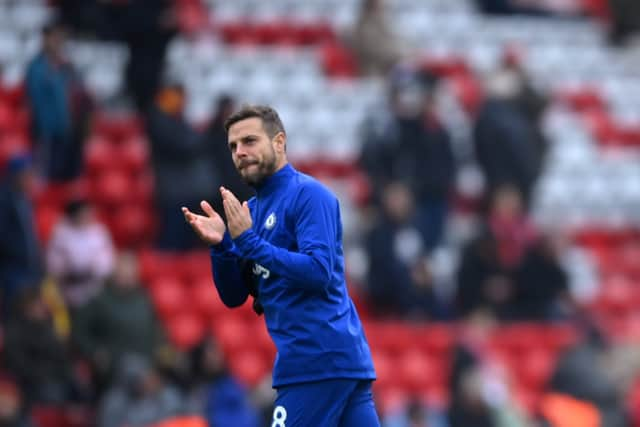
x=295 y=253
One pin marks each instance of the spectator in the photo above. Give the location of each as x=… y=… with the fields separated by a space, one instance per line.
x=399 y=278
x=584 y=372
x=480 y=394
x=80 y=254
x=60 y=108
x=373 y=41
x=482 y=280
x=509 y=145
x=184 y=173
x=410 y=145
x=118 y=321
x=12 y=413
x=139 y=396
x=542 y=285
x=215 y=393
x=216 y=142
x=36 y=355
x=20 y=258
x=625 y=16
x=415 y=414
x=513 y=230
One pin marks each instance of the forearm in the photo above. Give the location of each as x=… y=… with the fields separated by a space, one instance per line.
x=227 y=275
x=307 y=271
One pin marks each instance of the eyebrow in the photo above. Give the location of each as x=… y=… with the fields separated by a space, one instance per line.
x=244 y=138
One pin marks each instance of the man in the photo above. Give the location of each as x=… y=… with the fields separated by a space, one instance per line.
x=284 y=248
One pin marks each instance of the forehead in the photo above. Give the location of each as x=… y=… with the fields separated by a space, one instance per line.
x=246 y=127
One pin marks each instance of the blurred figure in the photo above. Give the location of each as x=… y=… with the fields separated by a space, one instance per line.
x=80 y=255
x=216 y=141
x=139 y=397
x=542 y=284
x=626 y=20
x=36 y=355
x=376 y=47
x=586 y=372
x=409 y=144
x=399 y=279
x=509 y=143
x=20 y=258
x=183 y=170
x=12 y=412
x=482 y=281
x=60 y=108
x=118 y=321
x=514 y=232
x=215 y=393
x=480 y=393
x=415 y=414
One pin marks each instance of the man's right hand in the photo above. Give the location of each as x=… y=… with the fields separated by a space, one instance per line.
x=209 y=228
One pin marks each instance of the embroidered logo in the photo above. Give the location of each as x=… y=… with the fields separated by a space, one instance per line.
x=271 y=221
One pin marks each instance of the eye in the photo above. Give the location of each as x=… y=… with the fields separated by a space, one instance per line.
x=232 y=147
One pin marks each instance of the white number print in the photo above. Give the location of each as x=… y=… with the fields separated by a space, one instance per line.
x=279 y=417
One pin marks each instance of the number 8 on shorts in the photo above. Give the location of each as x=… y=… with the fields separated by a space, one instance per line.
x=279 y=417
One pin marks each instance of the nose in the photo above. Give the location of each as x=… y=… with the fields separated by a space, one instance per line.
x=241 y=151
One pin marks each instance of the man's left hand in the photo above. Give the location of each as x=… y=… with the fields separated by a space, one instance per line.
x=238 y=214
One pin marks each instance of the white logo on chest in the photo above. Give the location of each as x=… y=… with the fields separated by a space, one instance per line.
x=270 y=221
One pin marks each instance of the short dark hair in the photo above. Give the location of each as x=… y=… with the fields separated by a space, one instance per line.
x=270 y=119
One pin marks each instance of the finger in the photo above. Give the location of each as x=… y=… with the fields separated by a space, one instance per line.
x=245 y=208
x=206 y=207
x=228 y=195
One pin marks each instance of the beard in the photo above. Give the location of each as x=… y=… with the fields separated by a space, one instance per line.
x=254 y=172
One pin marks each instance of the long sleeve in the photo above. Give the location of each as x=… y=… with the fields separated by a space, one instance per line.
x=227 y=273
x=316 y=230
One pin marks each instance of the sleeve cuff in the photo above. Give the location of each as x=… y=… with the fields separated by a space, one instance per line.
x=244 y=242
x=226 y=244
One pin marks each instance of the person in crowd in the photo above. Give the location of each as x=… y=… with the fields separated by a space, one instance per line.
x=12 y=411
x=479 y=384
x=139 y=396
x=542 y=285
x=585 y=372
x=399 y=279
x=80 y=254
x=118 y=321
x=508 y=142
x=60 y=108
x=512 y=228
x=415 y=414
x=625 y=22
x=181 y=165
x=20 y=254
x=409 y=144
x=215 y=393
x=37 y=357
x=482 y=281
x=377 y=48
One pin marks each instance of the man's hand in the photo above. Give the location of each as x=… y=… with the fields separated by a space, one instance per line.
x=238 y=215
x=209 y=228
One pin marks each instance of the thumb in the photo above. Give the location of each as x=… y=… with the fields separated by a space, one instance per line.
x=206 y=207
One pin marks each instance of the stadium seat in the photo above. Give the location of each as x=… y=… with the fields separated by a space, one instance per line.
x=111 y=188
x=46 y=219
x=168 y=296
x=185 y=330
x=134 y=154
x=249 y=367
x=131 y=225
x=231 y=332
x=205 y=299
x=417 y=371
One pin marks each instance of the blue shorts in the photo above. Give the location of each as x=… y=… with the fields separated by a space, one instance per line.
x=330 y=403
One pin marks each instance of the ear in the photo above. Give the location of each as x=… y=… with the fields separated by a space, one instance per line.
x=280 y=142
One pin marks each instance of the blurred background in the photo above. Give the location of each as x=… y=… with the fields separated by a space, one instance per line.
x=486 y=154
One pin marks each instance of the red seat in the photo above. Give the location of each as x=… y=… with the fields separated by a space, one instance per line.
x=435 y=339
x=250 y=367
x=117 y=128
x=534 y=369
x=583 y=99
x=131 y=226
x=417 y=371
x=168 y=296
x=111 y=187
x=185 y=330
x=46 y=219
x=337 y=61
x=134 y=154
x=49 y=416
x=231 y=332
x=206 y=299
x=100 y=154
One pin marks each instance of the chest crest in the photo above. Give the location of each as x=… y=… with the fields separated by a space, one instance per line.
x=270 y=222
